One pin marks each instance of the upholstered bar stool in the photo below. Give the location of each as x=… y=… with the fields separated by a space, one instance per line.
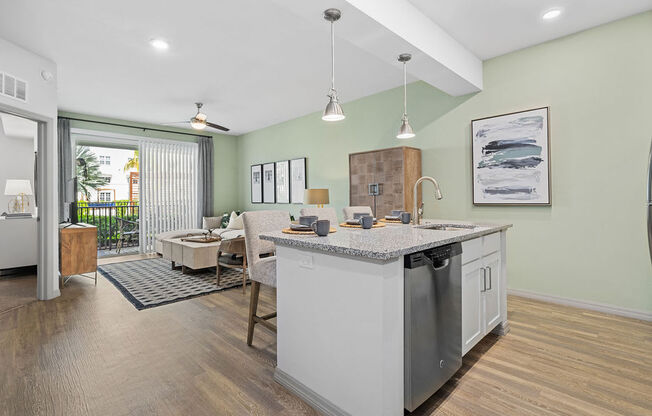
x=261 y=270
x=349 y=211
x=323 y=214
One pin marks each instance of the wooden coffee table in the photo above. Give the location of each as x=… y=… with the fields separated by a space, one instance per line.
x=192 y=255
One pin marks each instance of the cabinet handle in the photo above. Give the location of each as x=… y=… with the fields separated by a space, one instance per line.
x=490 y=286
x=484 y=280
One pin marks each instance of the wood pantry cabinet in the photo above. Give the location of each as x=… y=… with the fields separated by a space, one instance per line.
x=482 y=291
x=395 y=170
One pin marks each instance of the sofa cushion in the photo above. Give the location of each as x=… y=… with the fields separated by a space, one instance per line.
x=211 y=223
x=179 y=233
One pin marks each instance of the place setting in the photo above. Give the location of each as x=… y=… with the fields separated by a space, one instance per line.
x=397 y=217
x=310 y=225
x=363 y=221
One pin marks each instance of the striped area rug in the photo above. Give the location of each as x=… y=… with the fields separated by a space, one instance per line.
x=150 y=283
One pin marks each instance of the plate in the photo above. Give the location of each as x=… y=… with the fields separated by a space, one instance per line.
x=299 y=227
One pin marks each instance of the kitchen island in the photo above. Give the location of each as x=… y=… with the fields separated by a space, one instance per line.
x=341 y=307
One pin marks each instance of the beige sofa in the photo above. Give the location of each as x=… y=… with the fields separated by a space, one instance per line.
x=208 y=222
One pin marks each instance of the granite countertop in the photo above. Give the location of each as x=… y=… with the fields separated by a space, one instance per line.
x=385 y=243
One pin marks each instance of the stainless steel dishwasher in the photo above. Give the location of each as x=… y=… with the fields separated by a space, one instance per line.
x=433 y=321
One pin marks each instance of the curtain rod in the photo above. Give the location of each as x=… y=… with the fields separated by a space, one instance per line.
x=134 y=127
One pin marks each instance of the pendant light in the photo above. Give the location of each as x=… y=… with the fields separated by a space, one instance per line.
x=333 y=111
x=405 y=131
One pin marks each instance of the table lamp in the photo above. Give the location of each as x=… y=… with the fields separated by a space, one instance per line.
x=317 y=197
x=20 y=188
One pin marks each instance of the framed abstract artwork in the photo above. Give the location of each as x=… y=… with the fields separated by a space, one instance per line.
x=269 y=183
x=256 y=184
x=298 y=181
x=283 y=182
x=511 y=159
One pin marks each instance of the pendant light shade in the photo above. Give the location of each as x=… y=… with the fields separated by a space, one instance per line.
x=405 y=131
x=333 y=110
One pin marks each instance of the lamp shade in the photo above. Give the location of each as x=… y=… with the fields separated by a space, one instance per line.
x=18 y=186
x=315 y=196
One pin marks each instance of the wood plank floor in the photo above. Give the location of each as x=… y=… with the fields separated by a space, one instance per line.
x=90 y=352
x=17 y=291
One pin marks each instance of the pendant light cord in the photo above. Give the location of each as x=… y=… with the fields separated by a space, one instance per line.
x=404 y=89
x=332 y=56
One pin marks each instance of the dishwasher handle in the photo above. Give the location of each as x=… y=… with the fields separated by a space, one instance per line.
x=438 y=258
x=442 y=264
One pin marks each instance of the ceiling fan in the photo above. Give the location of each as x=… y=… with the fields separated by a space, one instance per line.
x=199 y=121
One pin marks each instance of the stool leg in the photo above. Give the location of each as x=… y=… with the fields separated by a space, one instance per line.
x=244 y=275
x=253 y=308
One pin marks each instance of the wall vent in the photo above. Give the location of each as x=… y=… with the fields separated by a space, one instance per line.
x=13 y=87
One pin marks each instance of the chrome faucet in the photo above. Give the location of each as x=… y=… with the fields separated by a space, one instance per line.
x=417 y=212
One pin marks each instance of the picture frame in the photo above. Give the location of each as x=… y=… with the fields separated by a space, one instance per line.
x=256 y=184
x=269 y=183
x=283 y=182
x=510 y=159
x=298 y=180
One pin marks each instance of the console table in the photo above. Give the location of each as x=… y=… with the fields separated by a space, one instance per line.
x=77 y=251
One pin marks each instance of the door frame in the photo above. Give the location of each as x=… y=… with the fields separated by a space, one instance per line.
x=46 y=223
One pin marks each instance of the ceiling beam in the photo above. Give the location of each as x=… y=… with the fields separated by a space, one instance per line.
x=387 y=28
x=438 y=59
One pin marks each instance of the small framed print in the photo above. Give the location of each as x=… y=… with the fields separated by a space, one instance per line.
x=298 y=181
x=256 y=184
x=283 y=182
x=269 y=183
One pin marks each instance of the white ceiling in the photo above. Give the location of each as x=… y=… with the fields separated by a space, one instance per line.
x=253 y=63
x=490 y=28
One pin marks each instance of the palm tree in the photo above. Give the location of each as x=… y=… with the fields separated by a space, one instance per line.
x=132 y=163
x=88 y=172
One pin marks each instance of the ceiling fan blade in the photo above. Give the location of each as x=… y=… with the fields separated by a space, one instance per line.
x=177 y=122
x=216 y=126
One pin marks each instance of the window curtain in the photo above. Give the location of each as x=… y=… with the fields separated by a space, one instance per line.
x=205 y=178
x=169 y=189
x=65 y=167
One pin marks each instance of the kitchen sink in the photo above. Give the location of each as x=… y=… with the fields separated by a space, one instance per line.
x=447 y=227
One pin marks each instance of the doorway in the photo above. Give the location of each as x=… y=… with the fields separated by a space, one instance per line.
x=19 y=233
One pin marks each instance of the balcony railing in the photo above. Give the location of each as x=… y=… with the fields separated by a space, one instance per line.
x=113 y=222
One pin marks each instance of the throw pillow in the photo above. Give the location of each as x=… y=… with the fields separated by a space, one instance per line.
x=235 y=222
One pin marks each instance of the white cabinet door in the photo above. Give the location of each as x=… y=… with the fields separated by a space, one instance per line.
x=492 y=292
x=472 y=305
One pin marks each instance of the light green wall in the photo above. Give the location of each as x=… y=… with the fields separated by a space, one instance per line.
x=591 y=244
x=225 y=147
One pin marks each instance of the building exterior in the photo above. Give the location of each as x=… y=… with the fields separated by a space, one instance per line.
x=112 y=162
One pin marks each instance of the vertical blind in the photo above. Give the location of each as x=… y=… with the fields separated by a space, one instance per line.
x=168 y=189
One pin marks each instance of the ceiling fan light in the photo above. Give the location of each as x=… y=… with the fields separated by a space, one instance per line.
x=333 y=110
x=197 y=123
x=405 y=131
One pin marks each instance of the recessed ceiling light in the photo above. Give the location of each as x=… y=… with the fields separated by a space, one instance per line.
x=159 y=44
x=551 y=14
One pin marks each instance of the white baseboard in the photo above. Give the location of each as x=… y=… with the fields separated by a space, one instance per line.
x=593 y=306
